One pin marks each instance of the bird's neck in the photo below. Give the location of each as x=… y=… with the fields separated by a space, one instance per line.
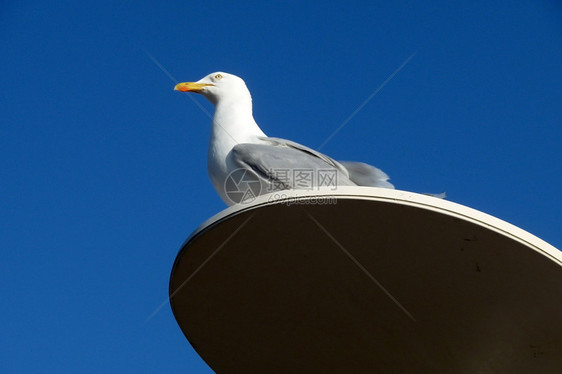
x=233 y=121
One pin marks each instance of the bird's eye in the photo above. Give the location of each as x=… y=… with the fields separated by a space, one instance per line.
x=218 y=76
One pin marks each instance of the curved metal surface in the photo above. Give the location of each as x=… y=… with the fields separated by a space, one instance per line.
x=368 y=280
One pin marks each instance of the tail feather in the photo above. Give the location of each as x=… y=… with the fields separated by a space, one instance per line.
x=366 y=175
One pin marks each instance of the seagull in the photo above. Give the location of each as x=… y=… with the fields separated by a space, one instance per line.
x=243 y=162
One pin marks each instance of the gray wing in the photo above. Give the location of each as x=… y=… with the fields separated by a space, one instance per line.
x=278 y=142
x=359 y=173
x=276 y=160
x=366 y=175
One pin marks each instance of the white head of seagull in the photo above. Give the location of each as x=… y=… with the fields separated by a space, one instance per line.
x=237 y=143
x=233 y=104
x=218 y=87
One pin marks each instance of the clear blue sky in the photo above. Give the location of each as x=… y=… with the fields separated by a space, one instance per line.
x=103 y=165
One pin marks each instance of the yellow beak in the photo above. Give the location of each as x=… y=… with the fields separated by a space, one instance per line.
x=191 y=86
